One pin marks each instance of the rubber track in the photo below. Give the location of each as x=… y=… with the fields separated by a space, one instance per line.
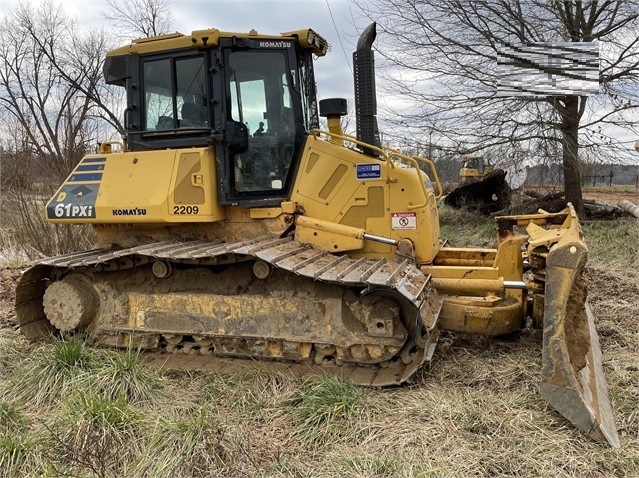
x=285 y=253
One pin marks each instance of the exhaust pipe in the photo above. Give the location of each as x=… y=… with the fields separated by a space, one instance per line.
x=365 y=94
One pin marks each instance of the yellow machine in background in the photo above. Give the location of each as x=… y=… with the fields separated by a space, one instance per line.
x=474 y=167
x=482 y=187
x=230 y=225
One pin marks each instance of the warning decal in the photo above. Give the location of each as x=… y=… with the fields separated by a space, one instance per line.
x=404 y=220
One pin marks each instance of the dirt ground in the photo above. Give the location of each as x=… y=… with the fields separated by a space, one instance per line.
x=611 y=196
x=605 y=195
x=8 y=281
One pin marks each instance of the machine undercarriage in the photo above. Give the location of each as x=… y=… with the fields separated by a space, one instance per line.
x=261 y=299
x=373 y=321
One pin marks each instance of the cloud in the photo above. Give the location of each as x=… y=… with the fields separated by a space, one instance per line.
x=332 y=19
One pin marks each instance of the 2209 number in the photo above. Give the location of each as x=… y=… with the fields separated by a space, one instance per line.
x=185 y=210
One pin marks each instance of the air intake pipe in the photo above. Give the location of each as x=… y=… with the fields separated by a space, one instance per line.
x=365 y=94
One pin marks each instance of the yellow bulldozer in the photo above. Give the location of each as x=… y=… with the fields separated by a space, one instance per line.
x=229 y=226
x=482 y=186
x=474 y=167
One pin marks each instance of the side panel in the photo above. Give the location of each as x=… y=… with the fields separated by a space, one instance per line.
x=343 y=186
x=149 y=187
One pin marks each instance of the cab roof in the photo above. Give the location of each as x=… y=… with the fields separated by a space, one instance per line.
x=210 y=38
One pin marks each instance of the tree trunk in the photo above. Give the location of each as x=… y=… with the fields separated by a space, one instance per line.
x=629 y=207
x=570 y=156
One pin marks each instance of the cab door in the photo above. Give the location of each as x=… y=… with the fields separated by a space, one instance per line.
x=264 y=126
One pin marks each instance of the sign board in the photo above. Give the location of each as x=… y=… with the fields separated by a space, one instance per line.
x=369 y=171
x=404 y=220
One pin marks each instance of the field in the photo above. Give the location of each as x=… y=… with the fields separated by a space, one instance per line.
x=69 y=410
x=611 y=195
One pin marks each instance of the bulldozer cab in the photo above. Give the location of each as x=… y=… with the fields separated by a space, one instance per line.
x=253 y=99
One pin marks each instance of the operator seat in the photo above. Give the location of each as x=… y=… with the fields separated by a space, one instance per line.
x=192 y=115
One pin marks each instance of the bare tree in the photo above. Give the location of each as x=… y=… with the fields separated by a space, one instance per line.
x=78 y=58
x=442 y=59
x=51 y=77
x=50 y=113
x=147 y=18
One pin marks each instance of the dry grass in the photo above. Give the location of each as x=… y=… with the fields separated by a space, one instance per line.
x=463 y=228
x=475 y=413
x=26 y=233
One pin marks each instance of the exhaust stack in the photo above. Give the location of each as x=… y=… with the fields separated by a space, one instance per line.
x=365 y=94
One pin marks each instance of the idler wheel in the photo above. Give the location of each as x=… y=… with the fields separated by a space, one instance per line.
x=70 y=303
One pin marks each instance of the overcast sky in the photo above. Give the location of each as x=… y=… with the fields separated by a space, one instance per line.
x=327 y=17
x=339 y=21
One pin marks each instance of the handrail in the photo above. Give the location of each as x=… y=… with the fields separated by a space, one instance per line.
x=431 y=166
x=387 y=155
x=428 y=162
x=353 y=139
x=401 y=157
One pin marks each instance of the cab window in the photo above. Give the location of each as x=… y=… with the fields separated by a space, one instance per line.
x=174 y=94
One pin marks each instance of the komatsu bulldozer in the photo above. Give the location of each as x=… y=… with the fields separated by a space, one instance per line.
x=482 y=186
x=474 y=167
x=229 y=226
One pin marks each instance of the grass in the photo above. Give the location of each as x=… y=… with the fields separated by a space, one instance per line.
x=19 y=456
x=71 y=410
x=612 y=243
x=122 y=376
x=463 y=228
x=19 y=448
x=11 y=419
x=354 y=463
x=93 y=432
x=201 y=449
x=474 y=413
x=325 y=410
x=27 y=235
x=51 y=372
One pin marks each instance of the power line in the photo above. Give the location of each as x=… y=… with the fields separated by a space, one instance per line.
x=339 y=37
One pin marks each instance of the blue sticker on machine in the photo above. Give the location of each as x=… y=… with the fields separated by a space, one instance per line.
x=369 y=171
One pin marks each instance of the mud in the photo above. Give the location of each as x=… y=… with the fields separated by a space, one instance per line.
x=577 y=333
x=8 y=282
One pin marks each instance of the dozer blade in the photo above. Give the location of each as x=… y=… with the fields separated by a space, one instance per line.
x=573 y=380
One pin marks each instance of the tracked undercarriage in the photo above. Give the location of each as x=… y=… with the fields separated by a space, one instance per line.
x=372 y=320
x=214 y=305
